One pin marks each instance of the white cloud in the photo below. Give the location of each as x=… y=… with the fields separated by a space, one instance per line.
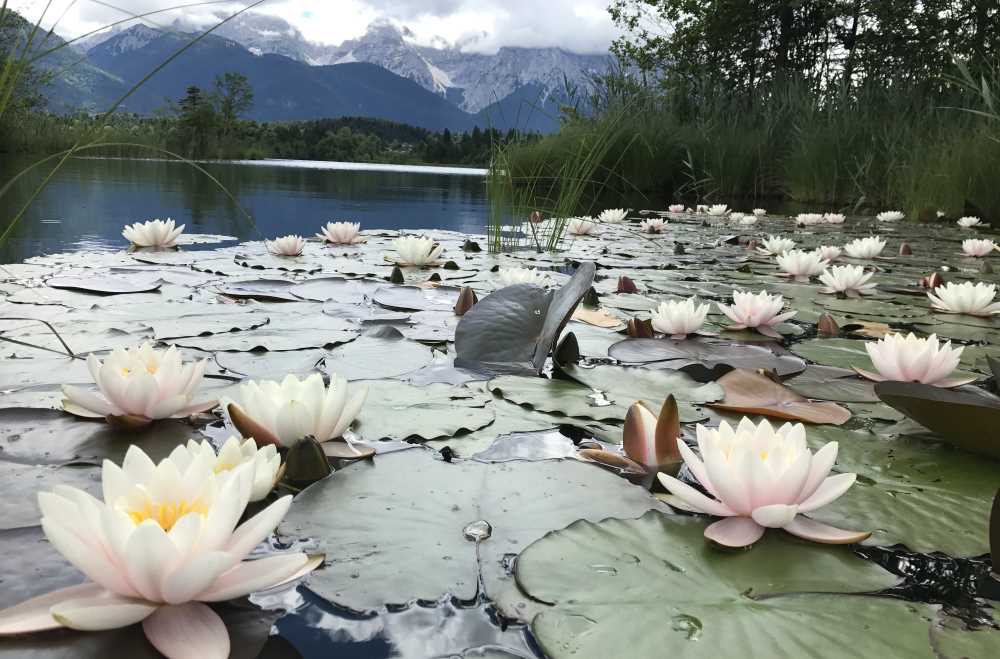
x=479 y=25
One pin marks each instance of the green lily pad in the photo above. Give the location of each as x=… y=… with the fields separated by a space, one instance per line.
x=20 y=485
x=44 y=437
x=654 y=585
x=703 y=351
x=923 y=494
x=395 y=410
x=392 y=528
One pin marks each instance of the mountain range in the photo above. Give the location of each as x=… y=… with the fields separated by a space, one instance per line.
x=383 y=74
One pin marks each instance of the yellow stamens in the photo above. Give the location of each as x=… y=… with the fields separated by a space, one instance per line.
x=167 y=514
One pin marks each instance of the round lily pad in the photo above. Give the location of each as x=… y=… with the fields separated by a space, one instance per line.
x=654 y=586
x=395 y=410
x=706 y=352
x=393 y=528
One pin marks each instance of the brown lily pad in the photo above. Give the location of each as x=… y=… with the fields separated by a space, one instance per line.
x=753 y=393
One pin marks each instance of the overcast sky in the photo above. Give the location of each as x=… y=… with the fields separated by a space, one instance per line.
x=480 y=25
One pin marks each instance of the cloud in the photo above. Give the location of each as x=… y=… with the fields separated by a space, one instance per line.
x=478 y=25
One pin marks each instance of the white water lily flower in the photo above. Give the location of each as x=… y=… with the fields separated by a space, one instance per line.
x=833 y=218
x=828 y=252
x=759 y=212
x=653 y=225
x=417 y=251
x=717 y=210
x=759 y=478
x=581 y=226
x=968 y=298
x=801 y=265
x=286 y=413
x=891 y=216
x=678 y=318
x=760 y=312
x=909 y=359
x=850 y=280
x=286 y=245
x=265 y=461
x=163 y=542
x=978 y=247
x=774 y=245
x=737 y=217
x=613 y=216
x=341 y=233
x=676 y=208
x=808 y=219
x=968 y=222
x=865 y=248
x=154 y=233
x=138 y=385
x=511 y=276
x=748 y=220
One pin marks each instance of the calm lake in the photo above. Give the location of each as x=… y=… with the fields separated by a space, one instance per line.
x=89 y=200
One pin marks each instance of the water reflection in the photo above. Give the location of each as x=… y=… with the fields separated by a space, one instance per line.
x=89 y=200
x=444 y=629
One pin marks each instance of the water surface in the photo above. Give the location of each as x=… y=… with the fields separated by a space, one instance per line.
x=89 y=200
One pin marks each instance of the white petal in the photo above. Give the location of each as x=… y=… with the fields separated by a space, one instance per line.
x=188 y=631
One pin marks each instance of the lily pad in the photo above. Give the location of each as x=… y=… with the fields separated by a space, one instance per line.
x=706 y=352
x=21 y=484
x=267 y=290
x=750 y=392
x=383 y=353
x=337 y=289
x=105 y=285
x=514 y=329
x=267 y=338
x=653 y=585
x=412 y=298
x=44 y=437
x=966 y=418
x=402 y=535
x=395 y=410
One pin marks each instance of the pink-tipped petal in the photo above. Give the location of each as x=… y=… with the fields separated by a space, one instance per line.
x=103 y=611
x=694 y=498
x=810 y=529
x=35 y=615
x=734 y=532
x=829 y=490
x=775 y=516
x=251 y=576
x=188 y=631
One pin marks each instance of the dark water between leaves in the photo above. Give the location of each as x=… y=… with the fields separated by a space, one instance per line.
x=88 y=201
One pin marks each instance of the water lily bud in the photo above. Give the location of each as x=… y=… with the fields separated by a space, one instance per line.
x=397 y=276
x=466 y=300
x=306 y=463
x=986 y=268
x=471 y=246
x=451 y=265
x=626 y=285
x=535 y=217
x=753 y=244
x=436 y=277
x=905 y=249
x=568 y=350
x=932 y=280
x=827 y=327
x=640 y=329
x=679 y=249
x=591 y=299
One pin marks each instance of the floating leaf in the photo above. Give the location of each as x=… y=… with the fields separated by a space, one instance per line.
x=402 y=533
x=105 y=285
x=394 y=410
x=381 y=353
x=654 y=586
x=968 y=420
x=752 y=393
x=706 y=352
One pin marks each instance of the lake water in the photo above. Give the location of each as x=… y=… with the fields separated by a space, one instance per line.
x=89 y=200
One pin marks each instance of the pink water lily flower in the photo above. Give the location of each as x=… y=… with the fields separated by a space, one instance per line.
x=341 y=233
x=978 y=247
x=760 y=312
x=162 y=543
x=759 y=478
x=907 y=358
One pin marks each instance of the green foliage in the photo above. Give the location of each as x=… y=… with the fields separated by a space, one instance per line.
x=843 y=103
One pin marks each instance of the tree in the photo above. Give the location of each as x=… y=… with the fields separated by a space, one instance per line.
x=234 y=98
x=197 y=122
